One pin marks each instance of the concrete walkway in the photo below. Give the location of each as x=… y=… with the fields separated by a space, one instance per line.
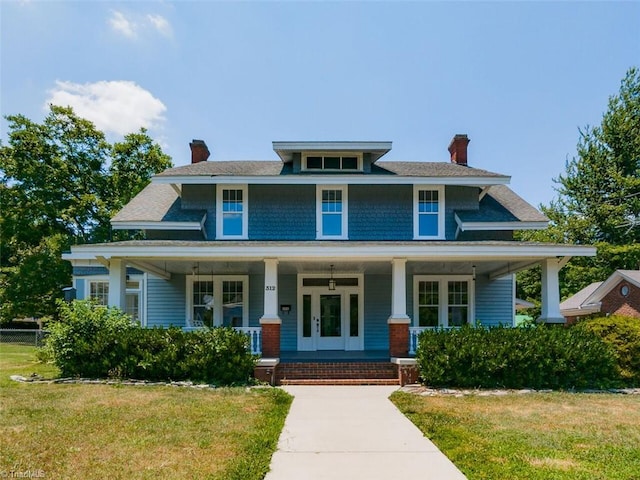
x=351 y=433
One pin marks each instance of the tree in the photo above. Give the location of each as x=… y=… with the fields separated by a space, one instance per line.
x=598 y=198
x=60 y=183
x=599 y=195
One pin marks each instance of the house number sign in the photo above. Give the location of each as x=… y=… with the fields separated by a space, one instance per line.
x=270 y=288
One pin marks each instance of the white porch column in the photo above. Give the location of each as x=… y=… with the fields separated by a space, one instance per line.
x=117 y=283
x=399 y=291
x=270 y=291
x=550 y=292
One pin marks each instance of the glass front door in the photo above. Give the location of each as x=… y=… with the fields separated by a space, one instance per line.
x=330 y=319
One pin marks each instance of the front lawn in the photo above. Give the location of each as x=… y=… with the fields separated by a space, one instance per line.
x=103 y=431
x=534 y=436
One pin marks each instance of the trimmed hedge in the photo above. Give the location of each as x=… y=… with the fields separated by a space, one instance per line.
x=95 y=341
x=538 y=356
x=623 y=335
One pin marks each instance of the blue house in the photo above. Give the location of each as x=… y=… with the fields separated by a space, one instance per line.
x=326 y=252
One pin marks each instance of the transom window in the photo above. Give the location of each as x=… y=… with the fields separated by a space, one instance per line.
x=231 y=211
x=331 y=218
x=428 y=212
x=217 y=301
x=443 y=301
x=332 y=161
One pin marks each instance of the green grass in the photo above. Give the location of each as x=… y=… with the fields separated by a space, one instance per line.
x=534 y=436
x=105 y=431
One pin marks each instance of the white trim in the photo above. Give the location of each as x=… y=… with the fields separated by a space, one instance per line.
x=345 y=179
x=285 y=150
x=348 y=342
x=412 y=251
x=344 y=214
x=306 y=169
x=217 y=295
x=219 y=213
x=159 y=225
x=493 y=226
x=443 y=297
x=416 y=214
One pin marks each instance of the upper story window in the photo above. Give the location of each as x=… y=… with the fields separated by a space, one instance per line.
x=231 y=211
x=428 y=212
x=331 y=212
x=332 y=162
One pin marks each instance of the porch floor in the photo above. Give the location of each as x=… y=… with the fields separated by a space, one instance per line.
x=333 y=356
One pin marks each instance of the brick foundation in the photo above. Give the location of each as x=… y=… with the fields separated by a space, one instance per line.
x=398 y=339
x=271 y=340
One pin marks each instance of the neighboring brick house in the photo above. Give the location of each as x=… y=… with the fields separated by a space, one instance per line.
x=619 y=295
x=328 y=252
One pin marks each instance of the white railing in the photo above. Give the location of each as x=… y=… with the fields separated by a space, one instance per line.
x=413 y=338
x=414 y=332
x=254 y=334
x=255 y=338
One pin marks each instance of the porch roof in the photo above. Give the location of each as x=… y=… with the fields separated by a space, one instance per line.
x=248 y=250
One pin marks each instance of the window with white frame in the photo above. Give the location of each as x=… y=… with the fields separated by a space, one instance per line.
x=331 y=212
x=428 y=212
x=99 y=291
x=428 y=304
x=217 y=301
x=443 y=301
x=332 y=161
x=231 y=211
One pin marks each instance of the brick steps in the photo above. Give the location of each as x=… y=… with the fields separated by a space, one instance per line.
x=337 y=373
x=341 y=381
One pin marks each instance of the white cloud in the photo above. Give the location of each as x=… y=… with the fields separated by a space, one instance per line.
x=122 y=24
x=160 y=23
x=118 y=107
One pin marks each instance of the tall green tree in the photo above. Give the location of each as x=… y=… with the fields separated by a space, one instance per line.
x=60 y=183
x=598 y=199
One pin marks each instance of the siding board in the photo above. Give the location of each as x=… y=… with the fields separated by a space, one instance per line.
x=166 y=301
x=494 y=301
x=377 y=309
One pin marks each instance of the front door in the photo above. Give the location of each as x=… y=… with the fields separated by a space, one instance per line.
x=330 y=319
x=328 y=322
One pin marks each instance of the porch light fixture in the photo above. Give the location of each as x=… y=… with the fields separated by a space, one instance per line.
x=332 y=281
x=473 y=271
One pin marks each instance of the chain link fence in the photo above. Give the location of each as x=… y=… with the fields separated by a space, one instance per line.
x=22 y=337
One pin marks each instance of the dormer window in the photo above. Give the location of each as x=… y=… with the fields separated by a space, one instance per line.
x=335 y=162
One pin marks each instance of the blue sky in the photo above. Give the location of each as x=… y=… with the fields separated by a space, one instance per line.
x=519 y=78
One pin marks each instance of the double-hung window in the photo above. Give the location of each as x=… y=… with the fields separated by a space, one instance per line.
x=428 y=212
x=99 y=291
x=443 y=301
x=331 y=212
x=231 y=211
x=217 y=301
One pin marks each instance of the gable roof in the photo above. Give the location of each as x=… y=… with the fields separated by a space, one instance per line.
x=588 y=299
x=576 y=305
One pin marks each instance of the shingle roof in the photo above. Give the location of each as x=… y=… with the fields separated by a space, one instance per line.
x=273 y=168
x=502 y=204
x=157 y=203
x=578 y=299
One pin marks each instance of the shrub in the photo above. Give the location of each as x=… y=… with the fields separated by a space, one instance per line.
x=95 y=341
x=623 y=335
x=534 y=357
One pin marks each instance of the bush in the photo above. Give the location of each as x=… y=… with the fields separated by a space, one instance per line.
x=623 y=335
x=95 y=341
x=538 y=356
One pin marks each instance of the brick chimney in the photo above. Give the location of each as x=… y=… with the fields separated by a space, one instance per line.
x=199 y=151
x=458 y=149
